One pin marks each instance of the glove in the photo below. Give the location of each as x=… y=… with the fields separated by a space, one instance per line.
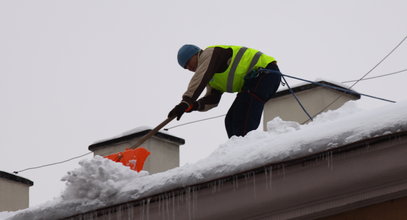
x=193 y=107
x=178 y=110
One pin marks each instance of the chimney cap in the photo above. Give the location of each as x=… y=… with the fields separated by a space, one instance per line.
x=15 y=178
x=138 y=132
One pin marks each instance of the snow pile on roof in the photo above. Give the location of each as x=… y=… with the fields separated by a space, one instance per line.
x=99 y=182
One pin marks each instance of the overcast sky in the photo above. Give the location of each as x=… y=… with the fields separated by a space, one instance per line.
x=74 y=72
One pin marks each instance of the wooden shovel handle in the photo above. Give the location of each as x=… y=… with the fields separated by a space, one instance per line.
x=151 y=133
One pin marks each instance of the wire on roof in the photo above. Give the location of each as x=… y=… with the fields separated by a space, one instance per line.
x=368 y=72
x=380 y=62
x=374 y=77
x=192 y=122
x=51 y=164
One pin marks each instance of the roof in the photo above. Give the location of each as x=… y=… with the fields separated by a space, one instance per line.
x=285 y=145
x=284 y=190
x=15 y=178
x=137 y=133
x=308 y=86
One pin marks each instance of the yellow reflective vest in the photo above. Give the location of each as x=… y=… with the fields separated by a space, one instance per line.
x=243 y=61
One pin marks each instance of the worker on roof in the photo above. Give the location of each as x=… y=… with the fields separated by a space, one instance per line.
x=230 y=69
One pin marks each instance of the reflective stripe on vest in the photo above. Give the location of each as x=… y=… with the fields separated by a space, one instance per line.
x=231 y=76
x=243 y=61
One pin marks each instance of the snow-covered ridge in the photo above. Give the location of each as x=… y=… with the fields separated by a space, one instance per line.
x=99 y=182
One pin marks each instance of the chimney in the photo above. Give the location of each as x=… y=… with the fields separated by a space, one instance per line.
x=163 y=148
x=313 y=97
x=14 y=192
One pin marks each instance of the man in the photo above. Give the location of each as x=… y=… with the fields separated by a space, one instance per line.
x=253 y=75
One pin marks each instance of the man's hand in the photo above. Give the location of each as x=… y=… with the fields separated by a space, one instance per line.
x=178 y=110
x=193 y=107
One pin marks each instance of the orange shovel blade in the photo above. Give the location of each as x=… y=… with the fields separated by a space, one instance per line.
x=133 y=158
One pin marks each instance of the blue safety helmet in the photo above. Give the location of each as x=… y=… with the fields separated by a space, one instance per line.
x=185 y=53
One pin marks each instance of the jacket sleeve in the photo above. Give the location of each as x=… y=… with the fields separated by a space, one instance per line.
x=210 y=100
x=201 y=78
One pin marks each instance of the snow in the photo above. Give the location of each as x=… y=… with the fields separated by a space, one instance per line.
x=99 y=182
x=4 y=215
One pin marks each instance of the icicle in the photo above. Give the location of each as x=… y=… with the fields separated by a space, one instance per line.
x=268 y=171
x=130 y=211
x=165 y=206
x=179 y=199
x=188 y=202
x=119 y=213
x=159 y=205
x=145 y=209
x=220 y=184
x=148 y=208
x=173 y=205
x=283 y=169
x=254 y=184
x=246 y=178
x=329 y=158
x=194 y=200
x=213 y=187
x=168 y=205
x=235 y=183
x=142 y=208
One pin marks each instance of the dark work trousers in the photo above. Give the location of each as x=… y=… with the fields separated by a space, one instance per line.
x=245 y=113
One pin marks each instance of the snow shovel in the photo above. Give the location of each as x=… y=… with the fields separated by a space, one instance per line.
x=152 y=132
x=134 y=156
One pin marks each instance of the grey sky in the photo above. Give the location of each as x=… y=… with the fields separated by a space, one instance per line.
x=74 y=72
